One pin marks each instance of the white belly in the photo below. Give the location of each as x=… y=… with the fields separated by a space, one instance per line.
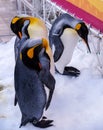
x=69 y=39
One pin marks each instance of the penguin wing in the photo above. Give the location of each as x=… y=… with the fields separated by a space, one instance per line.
x=45 y=75
x=54 y=38
x=59 y=47
x=30 y=93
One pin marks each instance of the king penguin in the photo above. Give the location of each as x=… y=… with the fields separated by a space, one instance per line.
x=64 y=35
x=36 y=29
x=32 y=74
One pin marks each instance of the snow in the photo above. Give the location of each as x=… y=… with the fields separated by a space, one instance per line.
x=77 y=102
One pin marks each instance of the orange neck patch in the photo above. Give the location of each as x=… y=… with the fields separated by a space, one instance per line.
x=30 y=53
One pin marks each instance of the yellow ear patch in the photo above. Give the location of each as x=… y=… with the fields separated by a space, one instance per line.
x=15 y=19
x=30 y=53
x=78 y=26
x=45 y=43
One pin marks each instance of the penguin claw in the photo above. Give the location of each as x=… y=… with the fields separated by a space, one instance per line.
x=43 y=123
x=71 y=71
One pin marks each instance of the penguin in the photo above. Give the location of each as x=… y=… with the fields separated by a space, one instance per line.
x=36 y=25
x=36 y=29
x=31 y=76
x=63 y=36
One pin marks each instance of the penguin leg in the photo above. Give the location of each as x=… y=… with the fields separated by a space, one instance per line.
x=58 y=47
x=71 y=71
x=45 y=75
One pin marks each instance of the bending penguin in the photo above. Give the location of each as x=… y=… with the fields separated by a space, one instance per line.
x=36 y=29
x=32 y=74
x=64 y=35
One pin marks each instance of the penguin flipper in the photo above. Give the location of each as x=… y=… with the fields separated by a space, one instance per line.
x=49 y=98
x=45 y=75
x=15 y=101
x=71 y=71
x=58 y=47
x=49 y=81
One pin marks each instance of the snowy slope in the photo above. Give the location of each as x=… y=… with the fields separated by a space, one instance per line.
x=77 y=102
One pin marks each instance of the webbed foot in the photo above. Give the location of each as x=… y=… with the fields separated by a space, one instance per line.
x=71 y=71
x=44 y=123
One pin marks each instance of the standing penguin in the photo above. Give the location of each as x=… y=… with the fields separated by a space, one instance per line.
x=64 y=35
x=36 y=29
x=32 y=74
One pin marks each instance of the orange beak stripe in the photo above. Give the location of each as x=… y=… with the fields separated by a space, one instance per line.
x=20 y=34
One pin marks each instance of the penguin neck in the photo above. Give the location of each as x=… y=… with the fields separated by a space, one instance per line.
x=31 y=63
x=49 y=52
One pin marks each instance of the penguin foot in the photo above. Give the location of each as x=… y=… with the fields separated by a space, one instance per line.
x=71 y=71
x=44 y=123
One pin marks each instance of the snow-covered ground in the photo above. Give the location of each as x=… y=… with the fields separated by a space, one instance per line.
x=77 y=102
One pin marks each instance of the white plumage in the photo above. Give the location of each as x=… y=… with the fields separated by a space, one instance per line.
x=69 y=39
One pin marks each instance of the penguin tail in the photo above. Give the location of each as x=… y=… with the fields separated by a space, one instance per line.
x=22 y=124
x=24 y=121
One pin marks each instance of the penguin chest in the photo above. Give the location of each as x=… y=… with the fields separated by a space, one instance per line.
x=37 y=31
x=69 y=40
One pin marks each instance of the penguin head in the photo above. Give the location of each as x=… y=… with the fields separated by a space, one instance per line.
x=29 y=54
x=17 y=24
x=82 y=30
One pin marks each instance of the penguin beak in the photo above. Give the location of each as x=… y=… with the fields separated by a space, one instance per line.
x=86 y=42
x=82 y=30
